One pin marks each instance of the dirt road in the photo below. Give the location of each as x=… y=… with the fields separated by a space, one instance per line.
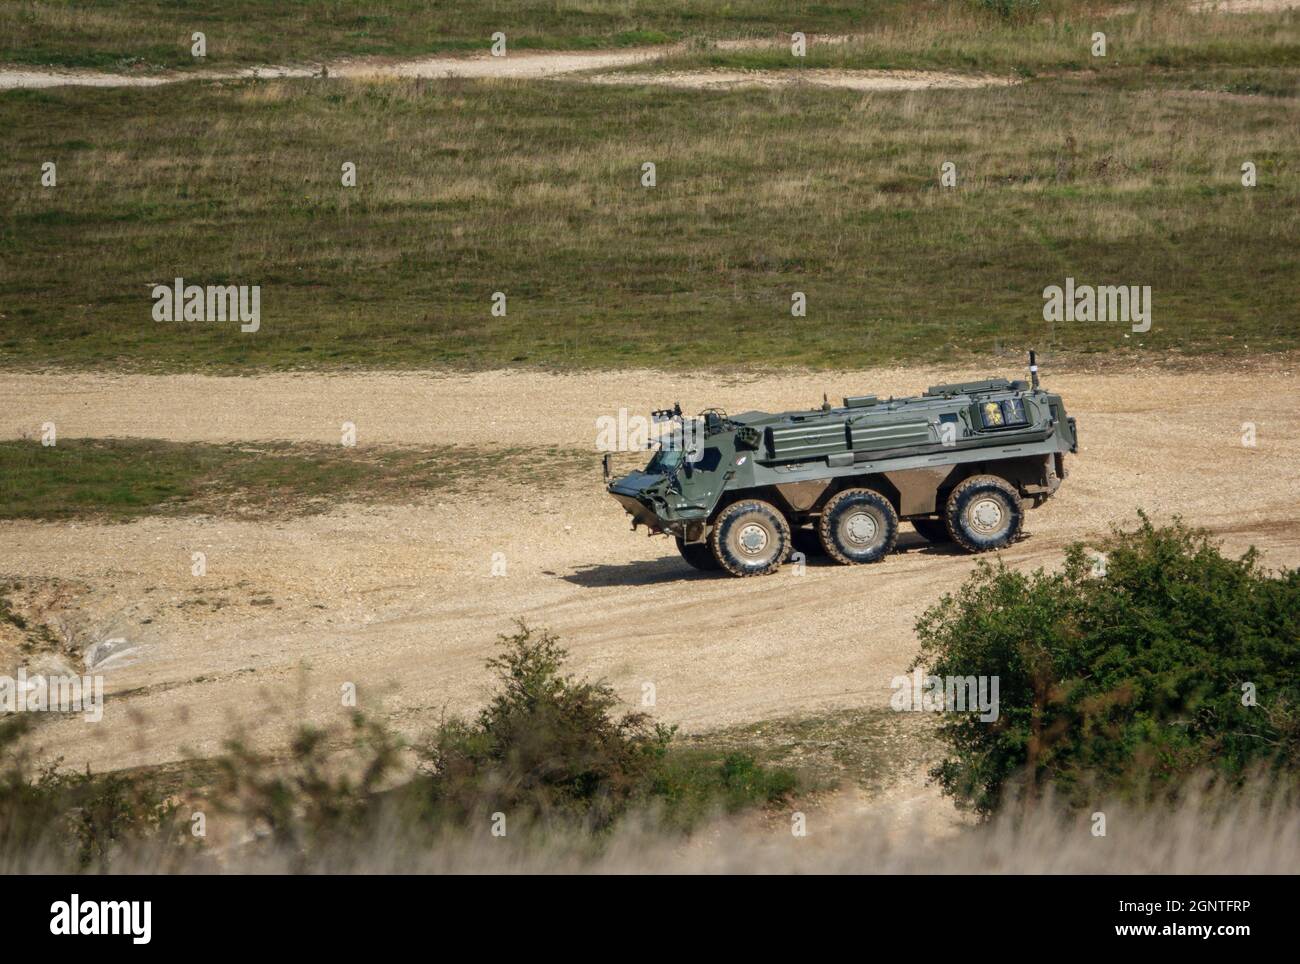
x=525 y=65
x=402 y=602
x=580 y=65
x=572 y=65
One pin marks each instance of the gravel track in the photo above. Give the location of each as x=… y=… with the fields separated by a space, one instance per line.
x=401 y=600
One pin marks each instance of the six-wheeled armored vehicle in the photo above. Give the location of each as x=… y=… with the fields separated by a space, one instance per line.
x=960 y=462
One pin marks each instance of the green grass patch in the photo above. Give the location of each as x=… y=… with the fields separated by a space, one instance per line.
x=966 y=37
x=868 y=748
x=119 y=479
x=127 y=34
x=466 y=188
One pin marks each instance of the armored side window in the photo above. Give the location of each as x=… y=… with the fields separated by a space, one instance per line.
x=1003 y=414
x=709 y=460
x=991 y=415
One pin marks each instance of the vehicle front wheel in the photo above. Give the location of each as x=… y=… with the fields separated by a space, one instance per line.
x=857 y=526
x=697 y=555
x=750 y=538
x=983 y=513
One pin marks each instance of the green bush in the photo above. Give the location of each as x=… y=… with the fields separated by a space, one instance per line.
x=547 y=747
x=1125 y=679
x=693 y=784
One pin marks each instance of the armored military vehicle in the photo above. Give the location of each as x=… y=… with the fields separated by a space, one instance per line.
x=960 y=462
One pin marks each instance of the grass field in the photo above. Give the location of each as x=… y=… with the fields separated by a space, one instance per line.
x=122 y=479
x=964 y=36
x=140 y=35
x=155 y=33
x=1124 y=174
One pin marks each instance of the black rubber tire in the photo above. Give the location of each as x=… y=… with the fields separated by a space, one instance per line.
x=932 y=530
x=698 y=555
x=837 y=538
x=966 y=529
x=735 y=520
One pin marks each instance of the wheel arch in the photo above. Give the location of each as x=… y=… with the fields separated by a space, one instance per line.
x=770 y=494
x=878 y=481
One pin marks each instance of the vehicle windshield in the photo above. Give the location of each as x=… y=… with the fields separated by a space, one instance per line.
x=665 y=460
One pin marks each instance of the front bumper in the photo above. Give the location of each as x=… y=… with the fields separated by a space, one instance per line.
x=641 y=513
x=654 y=502
x=640 y=496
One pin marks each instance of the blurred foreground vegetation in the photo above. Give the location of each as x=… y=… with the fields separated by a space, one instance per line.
x=549 y=754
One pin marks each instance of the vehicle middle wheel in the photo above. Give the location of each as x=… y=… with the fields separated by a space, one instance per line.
x=857 y=526
x=750 y=538
x=697 y=554
x=984 y=512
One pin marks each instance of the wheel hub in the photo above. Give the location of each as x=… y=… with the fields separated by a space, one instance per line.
x=753 y=539
x=986 y=515
x=860 y=528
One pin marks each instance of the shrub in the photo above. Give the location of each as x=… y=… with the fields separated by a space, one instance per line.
x=693 y=784
x=547 y=747
x=1127 y=681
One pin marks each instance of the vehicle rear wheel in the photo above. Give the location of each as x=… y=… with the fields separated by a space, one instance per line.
x=697 y=555
x=932 y=530
x=750 y=538
x=857 y=526
x=983 y=513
